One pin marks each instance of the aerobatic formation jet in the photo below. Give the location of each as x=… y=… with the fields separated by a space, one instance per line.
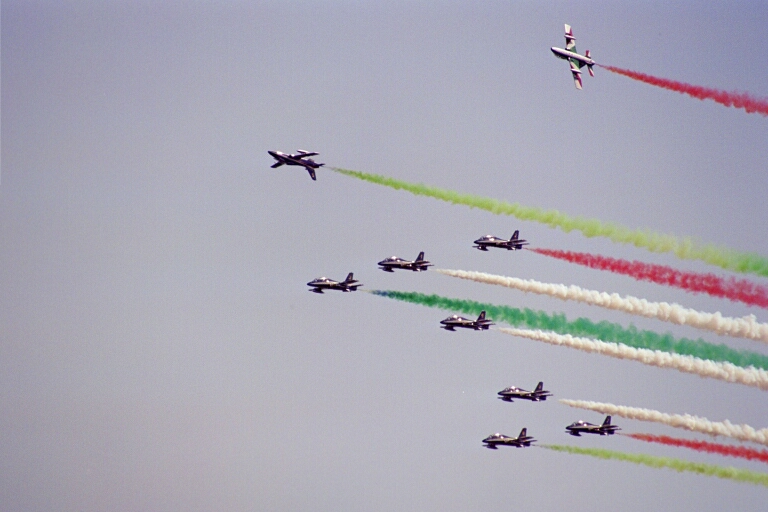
x=301 y=158
x=582 y=427
x=419 y=265
x=513 y=244
x=575 y=60
x=494 y=440
x=323 y=283
x=453 y=321
x=538 y=395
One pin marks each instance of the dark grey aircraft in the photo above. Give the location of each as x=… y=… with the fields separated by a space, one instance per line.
x=300 y=158
x=453 y=321
x=323 y=283
x=419 y=265
x=582 y=427
x=494 y=440
x=513 y=244
x=537 y=395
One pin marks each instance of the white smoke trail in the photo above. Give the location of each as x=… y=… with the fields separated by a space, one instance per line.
x=685 y=421
x=744 y=327
x=702 y=367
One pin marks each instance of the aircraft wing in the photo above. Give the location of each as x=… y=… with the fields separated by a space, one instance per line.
x=576 y=72
x=311 y=172
x=276 y=165
x=570 y=41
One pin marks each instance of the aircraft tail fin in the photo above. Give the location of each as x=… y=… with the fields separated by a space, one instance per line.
x=482 y=316
x=540 y=386
x=523 y=433
x=350 y=278
x=516 y=235
x=607 y=421
x=589 y=66
x=420 y=257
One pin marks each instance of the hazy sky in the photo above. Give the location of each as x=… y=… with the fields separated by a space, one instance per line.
x=158 y=347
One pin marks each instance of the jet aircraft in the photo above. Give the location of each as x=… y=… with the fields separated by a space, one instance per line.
x=494 y=440
x=323 y=283
x=539 y=394
x=419 y=265
x=574 y=59
x=301 y=158
x=582 y=427
x=453 y=321
x=513 y=244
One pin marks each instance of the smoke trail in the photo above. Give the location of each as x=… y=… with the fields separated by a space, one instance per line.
x=683 y=248
x=685 y=421
x=731 y=473
x=745 y=327
x=733 y=289
x=604 y=331
x=688 y=364
x=704 y=446
x=730 y=99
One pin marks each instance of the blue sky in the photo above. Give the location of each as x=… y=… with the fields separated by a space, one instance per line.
x=159 y=349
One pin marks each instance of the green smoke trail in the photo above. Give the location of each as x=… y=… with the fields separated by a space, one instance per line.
x=604 y=331
x=684 y=248
x=731 y=473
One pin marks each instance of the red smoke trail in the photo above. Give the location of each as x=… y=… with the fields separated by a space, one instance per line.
x=729 y=99
x=733 y=289
x=704 y=446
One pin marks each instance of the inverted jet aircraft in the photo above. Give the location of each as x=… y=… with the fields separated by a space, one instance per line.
x=494 y=440
x=323 y=283
x=575 y=60
x=513 y=244
x=538 y=395
x=419 y=265
x=301 y=158
x=582 y=427
x=453 y=321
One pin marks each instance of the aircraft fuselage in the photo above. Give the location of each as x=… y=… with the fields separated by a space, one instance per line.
x=565 y=54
